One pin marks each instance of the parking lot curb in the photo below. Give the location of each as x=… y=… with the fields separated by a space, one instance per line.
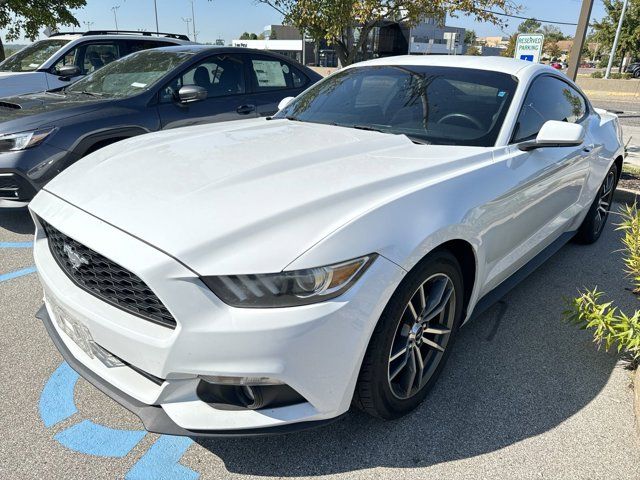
x=636 y=397
x=625 y=195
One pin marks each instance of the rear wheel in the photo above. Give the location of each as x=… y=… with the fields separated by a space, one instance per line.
x=413 y=339
x=596 y=219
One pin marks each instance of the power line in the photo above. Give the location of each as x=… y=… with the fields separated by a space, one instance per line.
x=527 y=18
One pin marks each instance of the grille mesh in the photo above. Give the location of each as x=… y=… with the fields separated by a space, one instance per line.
x=106 y=279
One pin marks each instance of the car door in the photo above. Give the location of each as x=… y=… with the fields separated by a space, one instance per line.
x=223 y=77
x=544 y=185
x=88 y=57
x=273 y=79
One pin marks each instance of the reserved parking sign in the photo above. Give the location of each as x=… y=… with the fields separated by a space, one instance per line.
x=529 y=47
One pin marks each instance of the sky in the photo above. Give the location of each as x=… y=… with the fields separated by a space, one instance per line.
x=227 y=19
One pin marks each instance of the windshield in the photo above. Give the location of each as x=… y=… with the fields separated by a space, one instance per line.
x=439 y=105
x=130 y=75
x=30 y=58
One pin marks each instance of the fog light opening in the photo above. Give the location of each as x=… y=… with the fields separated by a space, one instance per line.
x=251 y=397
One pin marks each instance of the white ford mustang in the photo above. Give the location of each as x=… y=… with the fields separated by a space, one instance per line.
x=263 y=275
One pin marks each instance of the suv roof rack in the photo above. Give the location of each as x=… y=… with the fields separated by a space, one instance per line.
x=58 y=34
x=177 y=36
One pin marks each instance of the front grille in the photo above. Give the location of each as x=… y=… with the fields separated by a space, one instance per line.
x=106 y=279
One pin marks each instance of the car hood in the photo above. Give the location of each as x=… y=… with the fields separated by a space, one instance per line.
x=249 y=196
x=37 y=109
x=18 y=83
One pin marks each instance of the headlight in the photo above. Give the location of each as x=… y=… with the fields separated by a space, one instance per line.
x=289 y=289
x=21 y=141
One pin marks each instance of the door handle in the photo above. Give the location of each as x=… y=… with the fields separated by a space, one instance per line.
x=246 y=109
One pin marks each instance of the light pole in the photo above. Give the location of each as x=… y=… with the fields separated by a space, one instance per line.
x=193 y=19
x=616 y=39
x=187 y=21
x=115 y=15
x=88 y=24
x=578 y=40
x=155 y=8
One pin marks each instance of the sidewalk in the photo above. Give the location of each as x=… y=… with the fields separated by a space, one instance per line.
x=631 y=135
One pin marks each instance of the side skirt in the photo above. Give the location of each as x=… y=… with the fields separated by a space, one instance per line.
x=527 y=269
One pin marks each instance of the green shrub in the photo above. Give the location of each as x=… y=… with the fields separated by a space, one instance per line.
x=610 y=326
x=597 y=74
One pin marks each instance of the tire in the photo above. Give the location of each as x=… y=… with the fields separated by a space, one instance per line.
x=636 y=73
x=377 y=393
x=596 y=219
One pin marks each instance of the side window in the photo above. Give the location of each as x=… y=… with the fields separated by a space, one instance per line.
x=548 y=98
x=221 y=75
x=98 y=55
x=89 y=57
x=138 y=45
x=273 y=74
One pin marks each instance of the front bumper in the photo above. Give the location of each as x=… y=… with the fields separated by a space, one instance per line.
x=154 y=418
x=24 y=173
x=316 y=349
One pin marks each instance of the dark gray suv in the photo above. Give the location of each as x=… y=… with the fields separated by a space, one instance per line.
x=42 y=134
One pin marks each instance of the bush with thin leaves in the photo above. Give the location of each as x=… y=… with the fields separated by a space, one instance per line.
x=611 y=327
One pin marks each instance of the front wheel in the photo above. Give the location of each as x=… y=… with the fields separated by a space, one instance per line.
x=413 y=339
x=593 y=224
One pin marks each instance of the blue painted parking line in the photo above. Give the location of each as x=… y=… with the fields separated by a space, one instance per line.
x=56 y=401
x=16 y=244
x=161 y=461
x=19 y=273
x=100 y=441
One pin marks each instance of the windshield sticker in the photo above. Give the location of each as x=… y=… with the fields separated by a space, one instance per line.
x=502 y=94
x=138 y=85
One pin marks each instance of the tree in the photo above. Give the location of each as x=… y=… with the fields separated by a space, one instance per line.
x=553 y=33
x=347 y=24
x=530 y=25
x=510 y=51
x=552 y=49
x=470 y=37
x=473 y=50
x=605 y=29
x=20 y=17
x=248 y=36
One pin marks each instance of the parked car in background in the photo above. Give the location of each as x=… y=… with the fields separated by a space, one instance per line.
x=64 y=58
x=556 y=65
x=264 y=275
x=634 y=69
x=42 y=134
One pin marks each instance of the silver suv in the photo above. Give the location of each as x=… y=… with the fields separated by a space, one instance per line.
x=66 y=57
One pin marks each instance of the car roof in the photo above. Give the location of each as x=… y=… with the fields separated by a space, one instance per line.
x=510 y=66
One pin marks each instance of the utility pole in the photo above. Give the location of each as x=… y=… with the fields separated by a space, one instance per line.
x=615 y=40
x=578 y=40
x=155 y=8
x=193 y=19
x=187 y=21
x=114 y=9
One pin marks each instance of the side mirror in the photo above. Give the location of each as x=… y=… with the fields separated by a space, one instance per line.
x=556 y=134
x=192 y=93
x=68 y=71
x=284 y=102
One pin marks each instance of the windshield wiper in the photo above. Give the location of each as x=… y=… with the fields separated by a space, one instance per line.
x=91 y=94
x=293 y=119
x=371 y=128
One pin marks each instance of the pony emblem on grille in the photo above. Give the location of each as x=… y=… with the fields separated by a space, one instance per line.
x=74 y=257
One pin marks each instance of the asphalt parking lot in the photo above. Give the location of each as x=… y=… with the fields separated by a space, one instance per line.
x=523 y=396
